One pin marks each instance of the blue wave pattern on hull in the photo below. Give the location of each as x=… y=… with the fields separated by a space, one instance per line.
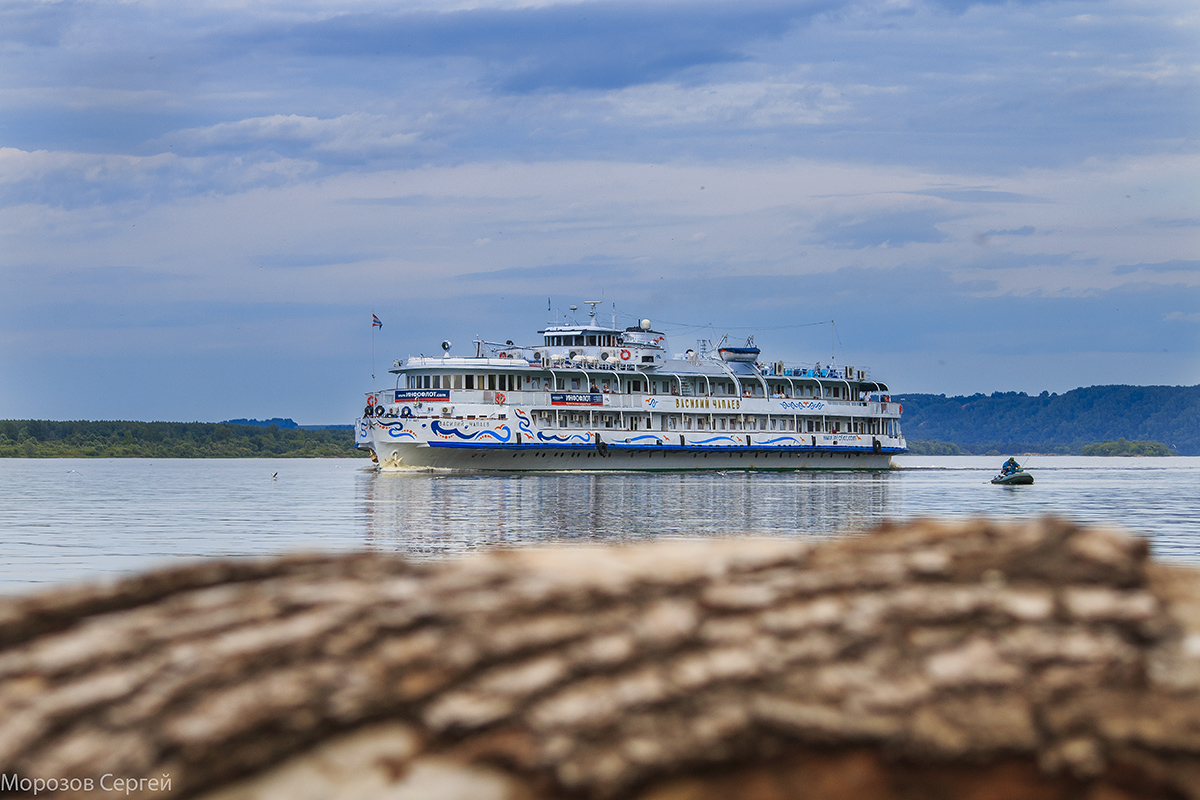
x=642 y=438
x=574 y=437
x=501 y=433
x=523 y=422
x=502 y=438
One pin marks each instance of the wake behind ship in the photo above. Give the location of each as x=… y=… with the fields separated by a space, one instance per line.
x=596 y=397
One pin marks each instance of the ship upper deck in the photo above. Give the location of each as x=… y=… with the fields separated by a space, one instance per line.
x=595 y=352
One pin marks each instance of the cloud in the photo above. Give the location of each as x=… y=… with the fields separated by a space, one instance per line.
x=1175 y=265
x=614 y=270
x=1010 y=261
x=75 y=180
x=589 y=45
x=354 y=134
x=887 y=229
x=19 y=166
x=984 y=238
x=309 y=259
x=1183 y=316
x=35 y=24
x=1187 y=222
x=979 y=196
x=745 y=104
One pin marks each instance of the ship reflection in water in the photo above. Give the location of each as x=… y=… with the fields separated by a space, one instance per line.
x=427 y=515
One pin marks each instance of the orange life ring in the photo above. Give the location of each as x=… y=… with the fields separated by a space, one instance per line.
x=504 y=355
x=499 y=397
x=371 y=400
x=625 y=355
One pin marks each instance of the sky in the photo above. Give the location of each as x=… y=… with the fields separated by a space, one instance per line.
x=202 y=203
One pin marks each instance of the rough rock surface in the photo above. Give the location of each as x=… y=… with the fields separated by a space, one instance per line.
x=973 y=660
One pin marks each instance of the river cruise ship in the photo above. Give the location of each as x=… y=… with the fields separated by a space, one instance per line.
x=602 y=397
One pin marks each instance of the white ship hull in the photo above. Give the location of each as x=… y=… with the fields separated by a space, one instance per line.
x=533 y=457
x=514 y=445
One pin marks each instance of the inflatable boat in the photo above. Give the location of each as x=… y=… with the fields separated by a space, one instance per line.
x=1013 y=479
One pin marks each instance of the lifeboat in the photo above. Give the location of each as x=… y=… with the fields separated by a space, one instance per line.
x=745 y=354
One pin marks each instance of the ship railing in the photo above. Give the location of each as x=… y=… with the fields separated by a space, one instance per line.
x=755 y=405
x=779 y=370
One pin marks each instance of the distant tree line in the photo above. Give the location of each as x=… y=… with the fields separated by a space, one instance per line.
x=928 y=447
x=1123 y=448
x=30 y=438
x=1014 y=422
x=278 y=422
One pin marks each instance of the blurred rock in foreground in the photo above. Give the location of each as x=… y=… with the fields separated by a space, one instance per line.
x=973 y=660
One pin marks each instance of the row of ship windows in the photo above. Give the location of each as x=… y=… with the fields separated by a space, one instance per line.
x=490 y=382
x=704 y=422
x=511 y=383
x=591 y=340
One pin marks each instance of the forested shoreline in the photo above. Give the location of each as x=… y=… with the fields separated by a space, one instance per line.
x=1014 y=422
x=29 y=438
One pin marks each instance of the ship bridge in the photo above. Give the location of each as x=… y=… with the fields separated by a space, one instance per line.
x=637 y=346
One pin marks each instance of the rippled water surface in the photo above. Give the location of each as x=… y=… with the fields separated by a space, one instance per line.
x=71 y=519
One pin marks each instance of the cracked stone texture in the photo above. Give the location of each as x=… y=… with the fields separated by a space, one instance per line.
x=969 y=660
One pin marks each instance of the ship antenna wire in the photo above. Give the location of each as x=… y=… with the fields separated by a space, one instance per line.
x=838 y=337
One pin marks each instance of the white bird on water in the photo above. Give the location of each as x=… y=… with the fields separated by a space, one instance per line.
x=274 y=475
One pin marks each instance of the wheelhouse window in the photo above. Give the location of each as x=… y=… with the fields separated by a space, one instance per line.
x=468 y=381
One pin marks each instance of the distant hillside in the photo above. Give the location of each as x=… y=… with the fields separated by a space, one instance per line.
x=31 y=438
x=283 y=424
x=1017 y=422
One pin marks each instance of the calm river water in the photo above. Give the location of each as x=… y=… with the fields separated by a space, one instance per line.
x=82 y=519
